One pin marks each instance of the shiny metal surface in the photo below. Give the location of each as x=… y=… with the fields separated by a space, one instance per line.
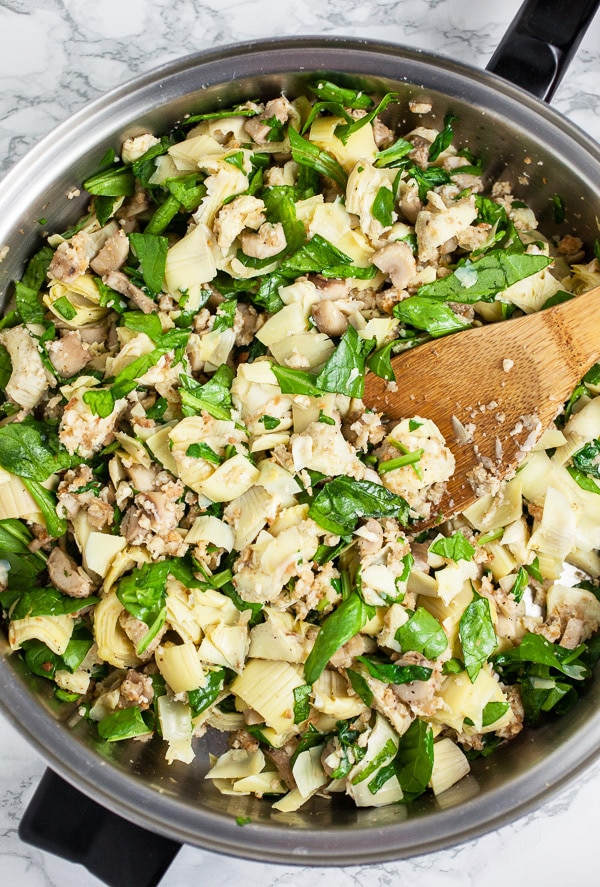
x=521 y=140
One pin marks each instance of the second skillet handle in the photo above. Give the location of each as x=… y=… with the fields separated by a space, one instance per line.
x=63 y=821
x=536 y=50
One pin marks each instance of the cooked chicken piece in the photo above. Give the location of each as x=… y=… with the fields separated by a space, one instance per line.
x=243 y=212
x=65 y=575
x=68 y=354
x=83 y=432
x=397 y=261
x=72 y=258
x=135 y=147
x=162 y=511
x=435 y=465
x=329 y=319
x=268 y=241
x=136 y=689
x=119 y=282
x=112 y=255
x=257 y=127
x=28 y=380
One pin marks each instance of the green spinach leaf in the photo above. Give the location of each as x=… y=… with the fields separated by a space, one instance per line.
x=422 y=633
x=477 y=635
x=339 y=627
x=343 y=501
x=430 y=315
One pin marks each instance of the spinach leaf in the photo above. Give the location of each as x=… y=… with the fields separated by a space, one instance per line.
x=214 y=396
x=115 y=182
x=302 y=703
x=203 y=697
x=348 y=98
x=443 y=138
x=427 y=179
x=296 y=381
x=558 y=205
x=343 y=501
x=28 y=304
x=390 y=156
x=123 y=724
x=307 y=154
x=315 y=255
x=477 y=635
x=583 y=480
x=143 y=594
x=344 y=371
x=455 y=548
x=48 y=602
x=587 y=459
x=151 y=250
x=339 y=627
x=100 y=401
x=492 y=273
x=492 y=712
x=383 y=207
x=267 y=294
x=535 y=649
x=46 y=501
x=24 y=565
x=520 y=584
x=188 y=190
x=225 y=315
x=434 y=317
x=143 y=323
x=5 y=367
x=203 y=451
x=422 y=633
x=344 y=130
x=392 y=673
x=360 y=686
x=64 y=308
x=31 y=449
x=380 y=362
x=413 y=764
x=126 y=380
x=280 y=206
x=37 y=267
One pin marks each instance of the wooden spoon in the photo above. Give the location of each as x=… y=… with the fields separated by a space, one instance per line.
x=492 y=390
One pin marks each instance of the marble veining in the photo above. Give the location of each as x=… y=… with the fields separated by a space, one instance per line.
x=59 y=54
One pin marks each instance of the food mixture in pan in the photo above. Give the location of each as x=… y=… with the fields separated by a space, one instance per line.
x=201 y=523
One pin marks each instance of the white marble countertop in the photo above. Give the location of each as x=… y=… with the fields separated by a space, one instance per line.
x=58 y=55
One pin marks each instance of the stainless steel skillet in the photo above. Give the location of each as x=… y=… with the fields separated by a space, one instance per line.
x=517 y=135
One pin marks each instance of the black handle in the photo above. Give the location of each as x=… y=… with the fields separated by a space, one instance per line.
x=538 y=47
x=63 y=821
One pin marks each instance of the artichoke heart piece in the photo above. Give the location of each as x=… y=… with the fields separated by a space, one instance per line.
x=449 y=765
x=189 y=265
x=268 y=688
x=54 y=631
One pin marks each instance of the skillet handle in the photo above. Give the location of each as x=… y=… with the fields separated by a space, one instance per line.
x=63 y=821
x=538 y=47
